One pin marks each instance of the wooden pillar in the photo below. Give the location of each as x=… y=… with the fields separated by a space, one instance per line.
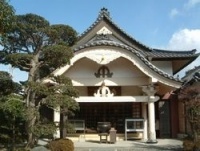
x=174 y=118
x=182 y=125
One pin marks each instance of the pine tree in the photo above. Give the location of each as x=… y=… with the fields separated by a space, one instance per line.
x=35 y=46
x=11 y=111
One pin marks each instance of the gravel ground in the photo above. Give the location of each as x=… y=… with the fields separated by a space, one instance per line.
x=162 y=145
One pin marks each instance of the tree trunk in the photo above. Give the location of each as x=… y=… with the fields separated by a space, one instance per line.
x=29 y=126
x=31 y=119
x=63 y=126
x=32 y=110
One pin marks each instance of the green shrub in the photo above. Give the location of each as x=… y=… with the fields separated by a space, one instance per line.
x=61 y=145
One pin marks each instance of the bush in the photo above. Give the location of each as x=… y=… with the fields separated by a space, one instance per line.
x=61 y=145
x=188 y=145
x=197 y=146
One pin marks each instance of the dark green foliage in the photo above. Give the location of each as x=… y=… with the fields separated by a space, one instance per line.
x=70 y=128
x=62 y=93
x=64 y=34
x=12 y=121
x=61 y=145
x=24 y=41
x=50 y=55
x=7 y=86
x=13 y=105
x=18 y=60
x=11 y=112
x=63 y=90
x=31 y=22
x=35 y=46
x=6 y=16
x=6 y=83
x=44 y=129
x=33 y=42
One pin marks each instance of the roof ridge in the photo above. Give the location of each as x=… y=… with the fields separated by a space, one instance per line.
x=175 y=51
x=104 y=13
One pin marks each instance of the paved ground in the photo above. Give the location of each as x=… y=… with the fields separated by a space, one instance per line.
x=130 y=145
x=162 y=145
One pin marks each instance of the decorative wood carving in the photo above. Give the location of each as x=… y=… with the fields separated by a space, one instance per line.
x=103 y=71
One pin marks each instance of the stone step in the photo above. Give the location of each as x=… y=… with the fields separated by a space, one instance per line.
x=96 y=137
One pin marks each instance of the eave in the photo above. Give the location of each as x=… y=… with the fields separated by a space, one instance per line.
x=183 y=58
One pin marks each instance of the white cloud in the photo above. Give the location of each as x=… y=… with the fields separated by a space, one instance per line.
x=191 y=3
x=174 y=12
x=186 y=39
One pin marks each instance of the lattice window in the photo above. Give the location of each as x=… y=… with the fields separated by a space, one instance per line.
x=136 y=110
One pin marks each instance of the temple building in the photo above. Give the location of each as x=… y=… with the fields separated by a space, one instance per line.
x=120 y=80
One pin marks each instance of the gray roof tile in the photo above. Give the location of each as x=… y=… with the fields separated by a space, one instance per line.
x=144 y=54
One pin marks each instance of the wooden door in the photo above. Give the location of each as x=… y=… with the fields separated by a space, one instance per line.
x=164 y=123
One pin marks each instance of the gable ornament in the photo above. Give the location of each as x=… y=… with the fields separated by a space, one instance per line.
x=103 y=72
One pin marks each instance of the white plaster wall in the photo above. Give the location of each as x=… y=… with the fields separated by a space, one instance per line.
x=166 y=66
x=124 y=69
x=83 y=68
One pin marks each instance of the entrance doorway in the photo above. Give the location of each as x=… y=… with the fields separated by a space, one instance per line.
x=164 y=109
x=116 y=113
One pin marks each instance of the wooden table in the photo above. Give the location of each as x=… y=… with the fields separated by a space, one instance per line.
x=103 y=137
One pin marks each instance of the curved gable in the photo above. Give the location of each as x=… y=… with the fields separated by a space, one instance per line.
x=106 y=54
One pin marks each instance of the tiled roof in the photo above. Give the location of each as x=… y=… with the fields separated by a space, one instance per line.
x=149 y=52
x=195 y=79
x=190 y=73
x=144 y=52
x=104 y=13
x=192 y=81
x=157 y=53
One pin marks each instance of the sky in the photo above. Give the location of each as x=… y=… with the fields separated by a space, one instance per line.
x=171 y=24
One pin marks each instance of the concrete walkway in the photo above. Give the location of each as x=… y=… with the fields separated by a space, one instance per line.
x=162 y=145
